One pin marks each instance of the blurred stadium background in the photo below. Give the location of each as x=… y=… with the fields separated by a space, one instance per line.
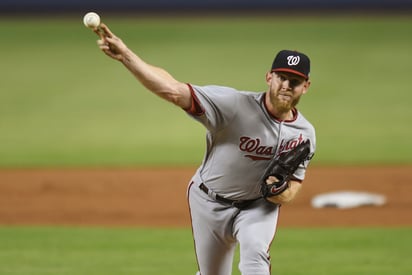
x=211 y=5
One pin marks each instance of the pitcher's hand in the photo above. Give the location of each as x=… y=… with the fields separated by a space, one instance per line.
x=109 y=43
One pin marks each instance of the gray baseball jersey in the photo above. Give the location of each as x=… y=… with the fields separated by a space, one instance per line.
x=242 y=137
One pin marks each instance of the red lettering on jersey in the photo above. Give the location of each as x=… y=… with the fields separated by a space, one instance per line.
x=252 y=145
x=289 y=145
x=262 y=152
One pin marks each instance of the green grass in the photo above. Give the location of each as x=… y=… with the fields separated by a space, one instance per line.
x=31 y=251
x=342 y=251
x=88 y=251
x=63 y=103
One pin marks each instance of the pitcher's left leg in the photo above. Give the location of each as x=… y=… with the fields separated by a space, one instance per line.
x=255 y=229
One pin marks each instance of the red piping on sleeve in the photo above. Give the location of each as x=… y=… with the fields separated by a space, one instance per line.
x=196 y=108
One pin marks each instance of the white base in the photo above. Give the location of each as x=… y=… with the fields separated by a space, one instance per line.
x=347 y=199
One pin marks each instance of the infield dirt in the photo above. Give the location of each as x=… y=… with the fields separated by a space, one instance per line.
x=157 y=197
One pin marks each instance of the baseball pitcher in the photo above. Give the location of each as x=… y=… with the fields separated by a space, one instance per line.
x=258 y=148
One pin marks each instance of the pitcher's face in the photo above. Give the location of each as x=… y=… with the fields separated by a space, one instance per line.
x=286 y=89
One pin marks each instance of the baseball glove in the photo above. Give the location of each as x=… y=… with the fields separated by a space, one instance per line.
x=282 y=168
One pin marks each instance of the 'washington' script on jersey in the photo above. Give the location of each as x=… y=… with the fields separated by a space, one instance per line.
x=252 y=145
x=290 y=144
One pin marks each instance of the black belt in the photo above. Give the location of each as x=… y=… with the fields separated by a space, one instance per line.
x=241 y=204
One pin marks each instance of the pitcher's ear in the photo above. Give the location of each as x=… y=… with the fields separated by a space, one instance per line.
x=307 y=85
x=269 y=76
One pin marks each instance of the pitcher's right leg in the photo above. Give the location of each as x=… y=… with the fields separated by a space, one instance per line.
x=212 y=232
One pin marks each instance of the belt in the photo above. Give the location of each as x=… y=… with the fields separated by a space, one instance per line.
x=241 y=204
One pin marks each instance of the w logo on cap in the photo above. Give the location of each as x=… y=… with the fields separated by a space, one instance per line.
x=293 y=60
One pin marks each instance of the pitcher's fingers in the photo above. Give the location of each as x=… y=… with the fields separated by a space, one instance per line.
x=99 y=32
x=106 y=30
x=101 y=43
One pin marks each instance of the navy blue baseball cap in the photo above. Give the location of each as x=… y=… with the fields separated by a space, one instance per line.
x=292 y=62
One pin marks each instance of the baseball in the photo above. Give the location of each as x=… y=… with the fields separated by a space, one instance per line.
x=91 y=20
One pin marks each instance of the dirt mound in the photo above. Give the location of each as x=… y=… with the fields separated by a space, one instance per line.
x=157 y=197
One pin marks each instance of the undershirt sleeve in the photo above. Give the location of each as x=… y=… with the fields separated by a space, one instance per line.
x=196 y=108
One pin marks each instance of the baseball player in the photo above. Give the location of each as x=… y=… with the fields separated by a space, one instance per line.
x=245 y=130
